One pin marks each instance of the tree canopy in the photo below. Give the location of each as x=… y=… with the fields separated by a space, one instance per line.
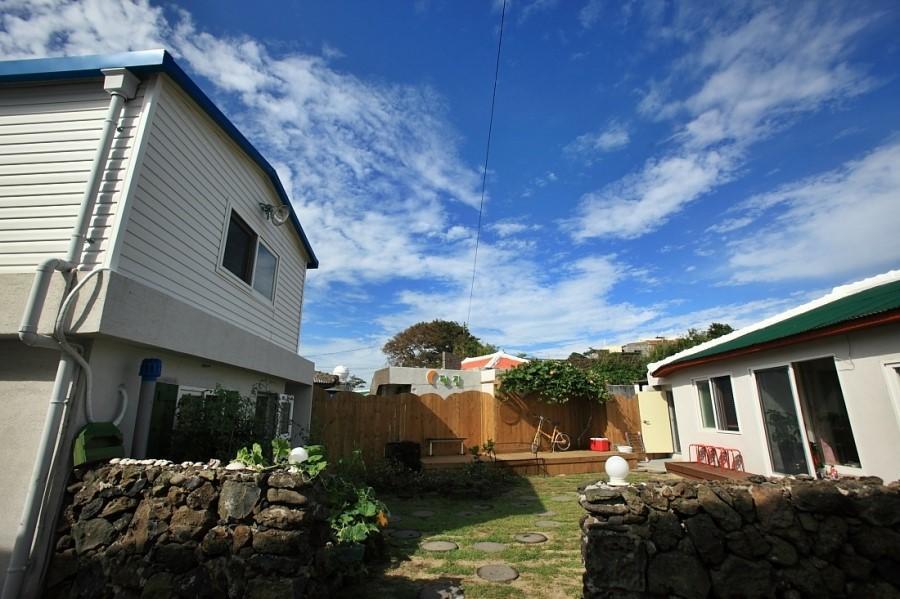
x=613 y=368
x=690 y=339
x=422 y=343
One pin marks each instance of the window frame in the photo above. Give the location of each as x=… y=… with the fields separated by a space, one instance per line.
x=237 y=281
x=717 y=417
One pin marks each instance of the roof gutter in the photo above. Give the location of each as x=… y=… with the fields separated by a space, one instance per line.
x=840 y=328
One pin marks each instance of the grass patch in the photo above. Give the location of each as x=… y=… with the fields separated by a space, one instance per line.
x=548 y=570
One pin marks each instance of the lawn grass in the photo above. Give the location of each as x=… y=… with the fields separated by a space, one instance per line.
x=548 y=570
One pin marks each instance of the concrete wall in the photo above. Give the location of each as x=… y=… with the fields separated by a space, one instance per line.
x=26 y=379
x=417 y=378
x=870 y=387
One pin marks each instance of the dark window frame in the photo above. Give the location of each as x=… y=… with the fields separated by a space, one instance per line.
x=248 y=270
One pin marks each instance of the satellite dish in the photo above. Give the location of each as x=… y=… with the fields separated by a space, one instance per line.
x=280 y=215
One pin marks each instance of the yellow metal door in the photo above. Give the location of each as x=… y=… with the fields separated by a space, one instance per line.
x=655 y=426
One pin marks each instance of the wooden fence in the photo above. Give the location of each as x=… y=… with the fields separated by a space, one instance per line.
x=349 y=421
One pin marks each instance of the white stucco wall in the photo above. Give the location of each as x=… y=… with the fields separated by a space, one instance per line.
x=417 y=378
x=26 y=380
x=871 y=393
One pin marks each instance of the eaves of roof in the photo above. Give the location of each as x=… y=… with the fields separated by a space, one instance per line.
x=867 y=307
x=142 y=63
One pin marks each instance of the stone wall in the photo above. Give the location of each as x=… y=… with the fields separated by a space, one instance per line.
x=766 y=538
x=162 y=530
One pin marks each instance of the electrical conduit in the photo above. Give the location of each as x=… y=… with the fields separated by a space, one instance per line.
x=121 y=84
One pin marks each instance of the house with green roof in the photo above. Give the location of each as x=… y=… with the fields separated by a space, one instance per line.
x=814 y=389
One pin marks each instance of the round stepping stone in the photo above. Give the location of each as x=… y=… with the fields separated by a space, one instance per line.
x=439 y=546
x=547 y=514
x=441 y=589
x=523 y=504
x=423 y=513
x=489 y=547
x=547 y=524
x=466 y=514
x=483 y=507
x=531 y=538
x=405 y=533
x=497 y=573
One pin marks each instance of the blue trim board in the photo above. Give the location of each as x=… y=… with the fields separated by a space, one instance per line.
x=140 y=63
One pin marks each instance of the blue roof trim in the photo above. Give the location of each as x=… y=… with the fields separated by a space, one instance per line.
x=146 y=62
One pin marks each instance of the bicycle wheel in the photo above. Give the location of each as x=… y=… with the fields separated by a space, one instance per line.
x=563 y=442
x=535 y=445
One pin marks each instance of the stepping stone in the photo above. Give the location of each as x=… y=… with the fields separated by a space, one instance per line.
x=405 y=533
x=523 y=504
x=441 y=589
x=489 y=547
x=439 y=546
x=497 y=573
x=547 y=514
x=547 y=524
x=466 y=514
x=531 y=538
x=423 y=513
x=482 y=506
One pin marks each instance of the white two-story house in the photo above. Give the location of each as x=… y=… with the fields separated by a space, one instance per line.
x=139 y=229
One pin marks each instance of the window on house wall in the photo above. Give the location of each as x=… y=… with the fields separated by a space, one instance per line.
x=240 y=246
x=717 y=409
x=247 y=257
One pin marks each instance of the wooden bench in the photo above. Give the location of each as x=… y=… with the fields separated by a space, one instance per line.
x=433 y=440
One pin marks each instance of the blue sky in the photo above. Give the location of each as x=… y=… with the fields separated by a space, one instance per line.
x=654 y=165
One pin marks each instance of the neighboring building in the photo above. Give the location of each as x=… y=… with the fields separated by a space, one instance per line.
x=444 y=382
x=181 y=223
x=495 y=361
x=817 y=386
x=324 y=380
x=642 y=347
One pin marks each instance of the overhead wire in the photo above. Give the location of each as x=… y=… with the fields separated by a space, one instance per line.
x=487 y=155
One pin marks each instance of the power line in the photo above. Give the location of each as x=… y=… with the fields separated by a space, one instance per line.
x=487 y=155
x=343 y=351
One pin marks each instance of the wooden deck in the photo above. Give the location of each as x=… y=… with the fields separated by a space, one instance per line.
x=697 y=471
x=526 y=463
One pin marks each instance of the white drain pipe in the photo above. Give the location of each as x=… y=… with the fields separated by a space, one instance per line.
x=121 y=84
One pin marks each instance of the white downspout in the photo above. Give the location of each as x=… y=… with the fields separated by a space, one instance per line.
x=121 y=84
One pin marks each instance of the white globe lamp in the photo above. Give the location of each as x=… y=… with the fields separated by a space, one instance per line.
x=298 y=455
x=342 y=372
x=617 y=470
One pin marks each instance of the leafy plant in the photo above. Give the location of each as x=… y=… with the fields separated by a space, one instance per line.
x=553 y=381
x=488 y=448
x=358 y=516
x=281 y=449
x=315 y=464
x=253 y=457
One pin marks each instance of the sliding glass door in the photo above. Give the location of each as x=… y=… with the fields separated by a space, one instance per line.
x=781 y=420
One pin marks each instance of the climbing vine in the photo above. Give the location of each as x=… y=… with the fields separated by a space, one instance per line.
x=553 y=381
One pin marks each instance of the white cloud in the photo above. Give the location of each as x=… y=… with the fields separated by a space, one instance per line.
x=510 y=227
x=372 y=167
x=590 y=13
x=534 y=7
x=643 y=202
x=757 y=74
x=613 y=137
x=840 y=222
x=329 y=52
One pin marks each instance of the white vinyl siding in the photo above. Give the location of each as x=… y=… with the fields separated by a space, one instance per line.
x=48 y=139
x=191 y=173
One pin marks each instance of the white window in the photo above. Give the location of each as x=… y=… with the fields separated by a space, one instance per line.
x=248 y=258
x=717 y=409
